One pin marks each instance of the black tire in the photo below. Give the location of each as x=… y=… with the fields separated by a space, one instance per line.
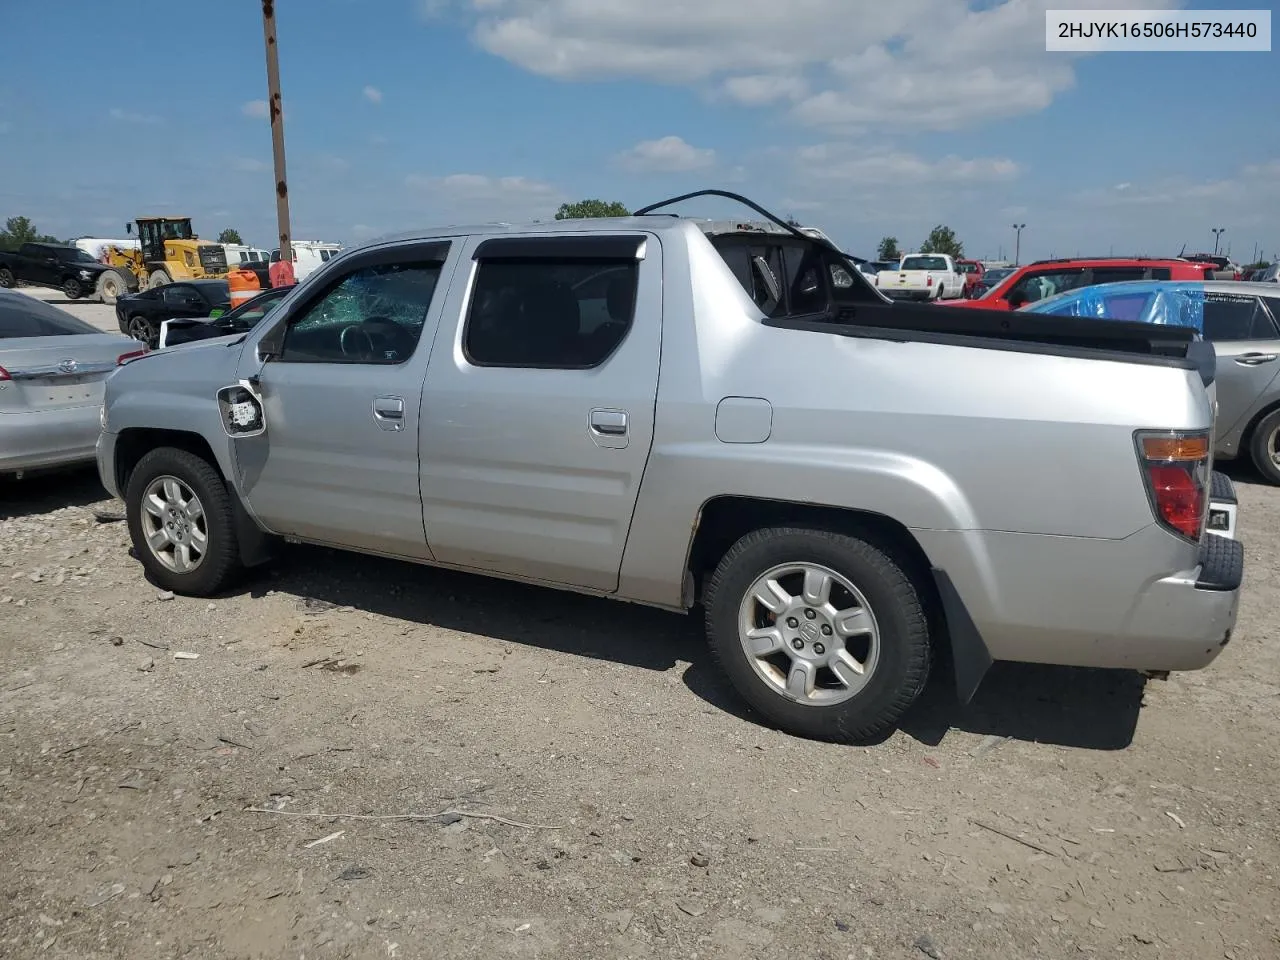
x=143 y=329
x=1266 y=437
x=941 y=291
x=7 y=280
x=905 y=652
x=112 y=285
x=73 y=289
x=158 y=278
x=221 y=563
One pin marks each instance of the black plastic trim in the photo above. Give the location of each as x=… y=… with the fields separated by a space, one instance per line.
x=1221 y=488
x=970 y=658
x=598 y=247
x=1221 y=564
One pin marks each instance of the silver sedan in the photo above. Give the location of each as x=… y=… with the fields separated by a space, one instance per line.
x=52 y=370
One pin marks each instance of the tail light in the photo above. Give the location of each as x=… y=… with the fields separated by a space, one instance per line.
x=928 y=281
x=132 y=355
x=4 y=374
x=1175 y=466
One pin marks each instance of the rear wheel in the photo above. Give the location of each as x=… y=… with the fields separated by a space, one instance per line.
x=822 y=633
x=141 y=328
x=111 y=287
x=1264 y=448
x=6 y=278
x=158 y=278
x=181 y=524
x=73 y=288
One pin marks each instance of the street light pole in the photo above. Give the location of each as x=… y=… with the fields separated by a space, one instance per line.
x=1017 y=242
x=277 y=130
x=1217 y=233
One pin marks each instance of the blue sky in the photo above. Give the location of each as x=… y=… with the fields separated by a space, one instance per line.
x=864 y=118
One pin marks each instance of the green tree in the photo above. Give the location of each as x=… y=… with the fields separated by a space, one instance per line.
x=230 y=235
x=20 y=230
x=888 y=249
x=585 y=209
x=942 y=239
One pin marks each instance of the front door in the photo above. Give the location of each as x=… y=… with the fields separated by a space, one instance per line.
x=338 y=462
x=538 y=411
x=1247 y=345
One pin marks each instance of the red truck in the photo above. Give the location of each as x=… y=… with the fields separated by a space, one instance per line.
x=973 y=271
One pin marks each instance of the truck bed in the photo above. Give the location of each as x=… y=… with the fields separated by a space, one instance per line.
x=1028 y=333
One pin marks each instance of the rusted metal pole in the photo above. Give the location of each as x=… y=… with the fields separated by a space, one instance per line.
x=277 y=129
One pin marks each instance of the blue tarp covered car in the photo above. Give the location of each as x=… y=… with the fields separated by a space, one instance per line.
x=1170 y=302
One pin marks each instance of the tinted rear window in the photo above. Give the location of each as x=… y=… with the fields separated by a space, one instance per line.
x=924 y=263
x=38 y=319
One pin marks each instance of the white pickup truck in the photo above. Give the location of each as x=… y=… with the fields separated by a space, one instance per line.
x=923 y=276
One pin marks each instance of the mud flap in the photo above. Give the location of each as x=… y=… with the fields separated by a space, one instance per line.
x=969 y=655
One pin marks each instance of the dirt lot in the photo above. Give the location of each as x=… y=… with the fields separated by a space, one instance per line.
x=1064 y=813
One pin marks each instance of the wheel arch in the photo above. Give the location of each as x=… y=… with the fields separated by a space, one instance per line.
x=725 y=519
x=134 y=443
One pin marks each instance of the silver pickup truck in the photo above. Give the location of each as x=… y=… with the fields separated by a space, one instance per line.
x=674 y=413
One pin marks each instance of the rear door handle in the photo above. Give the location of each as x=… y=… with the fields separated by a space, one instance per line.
x=1253 y=359
x=388 y=413
x=611 y=422
x=609 y=428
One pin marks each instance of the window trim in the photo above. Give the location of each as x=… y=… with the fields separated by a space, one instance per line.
x=632 y=259
x=600 y=246
x=423 y=251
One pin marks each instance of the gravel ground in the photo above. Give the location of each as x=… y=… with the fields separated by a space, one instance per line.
x=581 y=783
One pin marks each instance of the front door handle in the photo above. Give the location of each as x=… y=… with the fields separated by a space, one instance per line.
x=612 y=423
x=388 y=413
x=1253 y=359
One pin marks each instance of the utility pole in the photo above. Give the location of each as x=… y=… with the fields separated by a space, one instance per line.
x=277 y=131
x=1217 y=234
x=1017 y=243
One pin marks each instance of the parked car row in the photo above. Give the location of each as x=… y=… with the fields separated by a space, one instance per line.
x=589 y=405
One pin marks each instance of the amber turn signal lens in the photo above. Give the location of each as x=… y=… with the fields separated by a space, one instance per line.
x=1175 y=448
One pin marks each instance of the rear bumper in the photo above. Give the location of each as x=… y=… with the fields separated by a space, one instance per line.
x=902 y=294
x=35 y=440
x=1147 y=602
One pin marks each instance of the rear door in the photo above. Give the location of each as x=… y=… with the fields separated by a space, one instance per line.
x=1247 y=345
x=538 y=410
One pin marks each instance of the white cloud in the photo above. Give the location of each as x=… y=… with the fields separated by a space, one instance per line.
x=372 y=94
x=474 y=196
x=841 y=161
x=249 y=164
x=257 y=109
x=922 y=64
x=130 y=116
x=665 y=155
x=756 y=90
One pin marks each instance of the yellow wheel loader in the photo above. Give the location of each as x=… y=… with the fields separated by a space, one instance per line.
x=168 y=251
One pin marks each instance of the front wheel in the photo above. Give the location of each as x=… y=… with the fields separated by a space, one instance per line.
x=1264 y=448
x=73 y=289
x=181 y=523
x=111 y=287
x=823 y=633
x=6 y=278
x=158 y=278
